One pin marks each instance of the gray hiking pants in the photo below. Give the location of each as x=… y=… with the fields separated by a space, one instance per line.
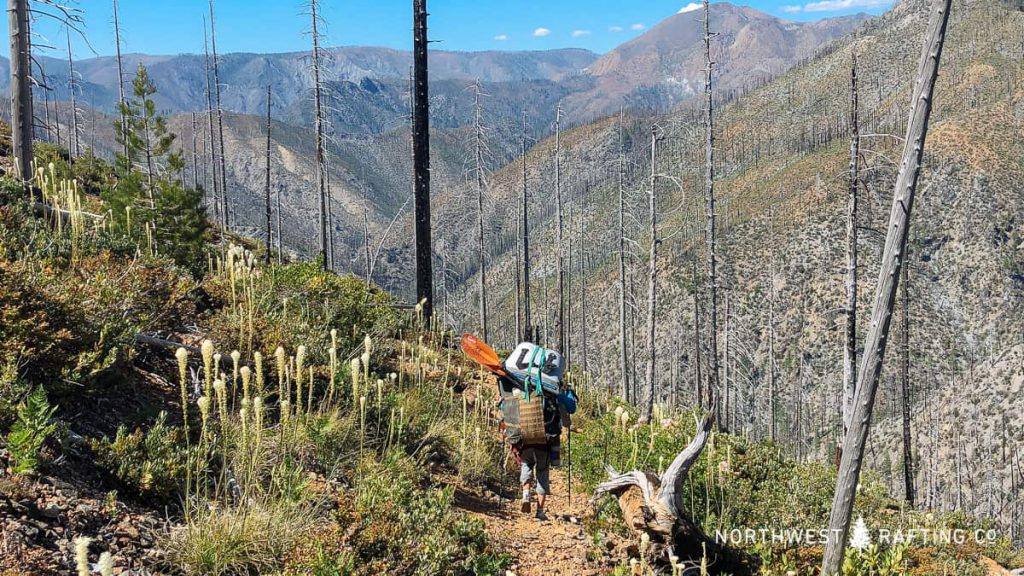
x=536 y=465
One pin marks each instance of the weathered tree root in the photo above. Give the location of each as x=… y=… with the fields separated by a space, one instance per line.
x=653 y=506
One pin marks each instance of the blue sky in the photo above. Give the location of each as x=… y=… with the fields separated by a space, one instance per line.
x=175 y=26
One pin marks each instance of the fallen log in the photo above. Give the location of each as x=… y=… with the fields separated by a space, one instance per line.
x=653 y=506
x=47 y=211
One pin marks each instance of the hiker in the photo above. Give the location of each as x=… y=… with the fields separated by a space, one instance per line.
x=536 y=459
x=535 y=404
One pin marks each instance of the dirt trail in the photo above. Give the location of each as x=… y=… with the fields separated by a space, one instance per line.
x=556 y=547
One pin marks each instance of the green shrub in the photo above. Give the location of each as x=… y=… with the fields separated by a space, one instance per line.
x=71 y=324
x=31 y=429
x=406 y=527
x=153 y=463
x=12 y=390
x=298 y=304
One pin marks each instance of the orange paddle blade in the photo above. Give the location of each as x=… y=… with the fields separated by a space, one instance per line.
x=481 y=353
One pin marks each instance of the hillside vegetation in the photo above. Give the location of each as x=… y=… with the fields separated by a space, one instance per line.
x=782 y=166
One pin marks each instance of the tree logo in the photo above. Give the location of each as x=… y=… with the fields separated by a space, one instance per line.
x=860 y=538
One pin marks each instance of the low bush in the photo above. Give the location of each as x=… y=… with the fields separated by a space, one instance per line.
x=153 y=463
x=33 y=426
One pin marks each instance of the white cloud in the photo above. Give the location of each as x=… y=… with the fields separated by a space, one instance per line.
x=837 y=5
x=501 y=37
x=791 y=9
x=637 y=27
x=690 y=8
x=541 y=32
x=580 y=33
x=615 y=28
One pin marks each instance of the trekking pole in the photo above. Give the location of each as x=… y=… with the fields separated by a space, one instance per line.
x=569 y=442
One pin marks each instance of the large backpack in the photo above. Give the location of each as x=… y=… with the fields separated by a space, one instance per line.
x=531 y=419
x=535 y=365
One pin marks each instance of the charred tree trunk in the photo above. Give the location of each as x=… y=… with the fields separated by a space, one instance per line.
x=560 y=308
x=195 y=155
x=215 y=189
x=319 y=129
x=478 y=130
x=527 y=326
x=709 y=192
x=225 y=211
x=698 y=380
x=647 y=402
x=888 y=280
x=21 y=86
x=623 y=358
x=421 y=159
x=73 y=142
x=120 y=82
x=270 y=236
x=771 y=354
x=910 y=493
x=850 y=350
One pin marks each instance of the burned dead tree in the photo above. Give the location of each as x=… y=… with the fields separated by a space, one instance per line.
x=850 y=348
x=21 y=85
x=421 y=160
x=318 y=122
x=888 y=282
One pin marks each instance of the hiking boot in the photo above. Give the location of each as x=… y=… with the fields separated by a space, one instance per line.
x=540 y=515
x=525 y=507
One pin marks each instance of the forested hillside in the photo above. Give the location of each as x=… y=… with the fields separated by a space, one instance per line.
x=270 y=313
x=783 y=153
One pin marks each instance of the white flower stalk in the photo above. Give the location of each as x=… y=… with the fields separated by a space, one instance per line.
x=362 y=421
x=625 y=420
x=257 y=359
x=204 y=413
x=207 y=350
x=380 y=395
x=367 y=344
x=106 y=564
x=257 y=409
x=246 y=374
x=354 y=365
x=216 y=364
x=82 y=555
x=365 y=358
x=235 y=357
x=309 y=402
x=279 y=356
x=334 y=337
x=285 y=411
x=300 y=361
x=182 y=355
x=222 y=399
x=243 y=413
x=333 y=354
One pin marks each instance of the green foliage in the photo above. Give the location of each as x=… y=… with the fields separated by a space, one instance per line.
x=144 y=135
x=31 y=429
x=298 y=304
x=405 y=527
x=253 y=539
x=71 y=324
x=179 y=225
x=12 y=389
x=876 y=562
x=150 y=202
x=94 y=174
x=153 y=463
